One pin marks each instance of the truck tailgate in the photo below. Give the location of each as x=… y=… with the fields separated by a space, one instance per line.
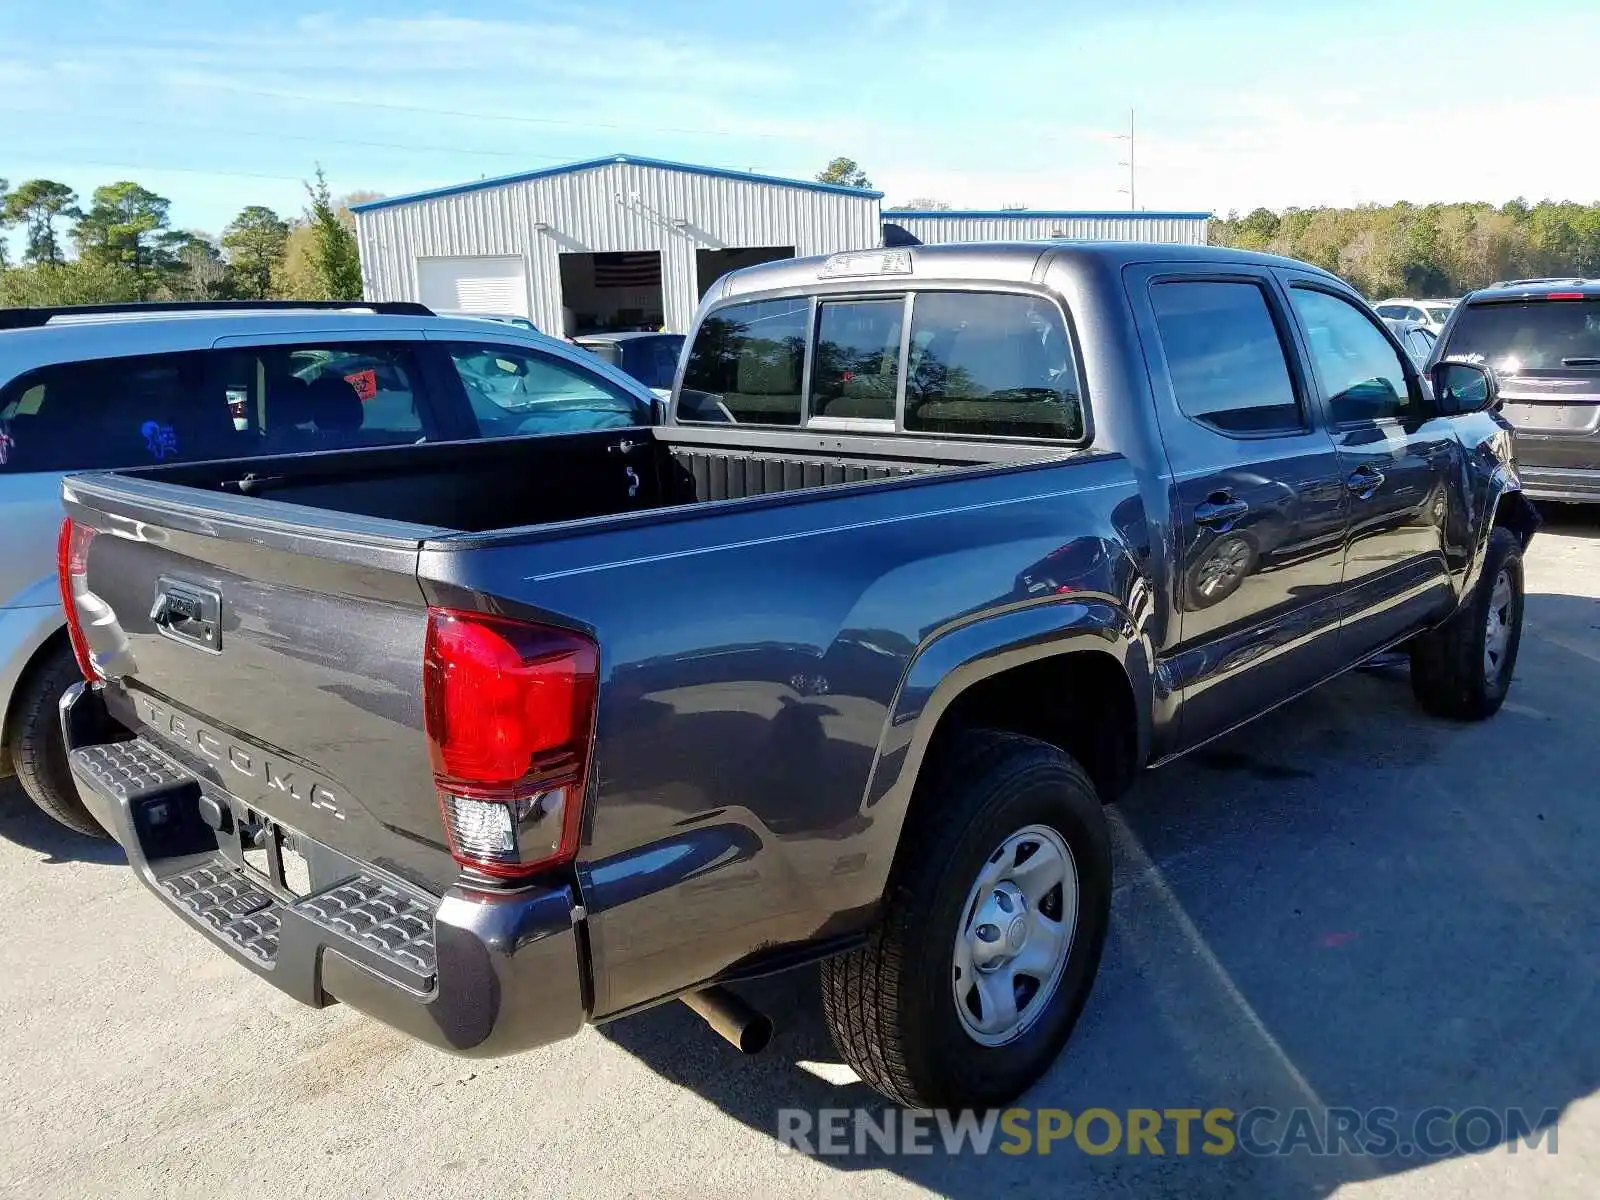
x=276 y=651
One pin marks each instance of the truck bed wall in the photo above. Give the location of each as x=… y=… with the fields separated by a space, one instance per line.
x=507 y=483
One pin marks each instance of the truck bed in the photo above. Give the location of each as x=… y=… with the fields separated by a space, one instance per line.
x=513 y=483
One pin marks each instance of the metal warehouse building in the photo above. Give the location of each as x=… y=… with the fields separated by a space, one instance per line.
x=1026 y=225
x=633 y=243
x=609 y=243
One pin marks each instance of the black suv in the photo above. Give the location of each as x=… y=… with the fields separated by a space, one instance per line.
x=1543 y=338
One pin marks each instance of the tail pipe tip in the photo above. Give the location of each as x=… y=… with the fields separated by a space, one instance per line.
x=732 y=1018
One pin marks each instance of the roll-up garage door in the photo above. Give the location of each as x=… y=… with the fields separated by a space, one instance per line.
x=479 y=283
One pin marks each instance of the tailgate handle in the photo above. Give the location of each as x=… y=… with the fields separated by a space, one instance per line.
x=188 y=613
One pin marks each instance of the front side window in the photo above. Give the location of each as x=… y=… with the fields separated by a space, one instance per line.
x=991 y=365
x=1362 y=375
x=857 y=367
x=1224 y=357
x=747 y=364
x=513 y=391
x=118 y=412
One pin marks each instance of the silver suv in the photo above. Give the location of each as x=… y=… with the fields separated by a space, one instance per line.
x=115 y=386
x=1542 y=337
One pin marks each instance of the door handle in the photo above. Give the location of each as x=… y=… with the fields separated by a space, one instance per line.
x=1219 y=512
x=1364 y=480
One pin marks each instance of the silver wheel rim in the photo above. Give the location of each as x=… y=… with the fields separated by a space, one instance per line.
x=1015 y=936
x=1497 y=632
x=1222 y=568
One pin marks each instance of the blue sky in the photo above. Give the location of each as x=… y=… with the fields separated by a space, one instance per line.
x=219 y=104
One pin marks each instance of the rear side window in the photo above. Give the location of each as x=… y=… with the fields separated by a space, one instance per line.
x=746 y=364
x=514 y=391
x=294 y=399
x=1541 y=335
x=119 y=412
x=991 y=364
x=857 y=368
x=1225 y=357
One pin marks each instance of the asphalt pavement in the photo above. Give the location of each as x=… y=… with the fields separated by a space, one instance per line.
x=1349 y=907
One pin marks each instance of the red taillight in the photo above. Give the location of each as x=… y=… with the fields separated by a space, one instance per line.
x=1563 y=296
x=72 y=570
x=509 y=708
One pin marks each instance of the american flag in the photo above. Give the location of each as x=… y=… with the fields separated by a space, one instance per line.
x=629 y=269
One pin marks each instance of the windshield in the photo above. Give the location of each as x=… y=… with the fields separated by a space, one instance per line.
x=1538 y=335
x=1438 y=312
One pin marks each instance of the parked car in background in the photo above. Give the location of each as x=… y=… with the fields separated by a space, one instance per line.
x=520 y=322
x=651 y=358
x=1418 y=339
x=1429 y=313
x=1542 y=337
x=121 y=385
x=563 y=728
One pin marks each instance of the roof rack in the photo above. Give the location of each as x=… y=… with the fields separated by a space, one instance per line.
x=32 y=318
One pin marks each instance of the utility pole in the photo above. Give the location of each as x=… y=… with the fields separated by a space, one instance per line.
x=1128 y=137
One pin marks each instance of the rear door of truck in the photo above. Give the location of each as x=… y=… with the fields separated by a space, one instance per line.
x=274 y=649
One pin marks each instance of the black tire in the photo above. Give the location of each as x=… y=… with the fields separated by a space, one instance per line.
x=1449 y=673
x=890 y=1004
x=33 y=736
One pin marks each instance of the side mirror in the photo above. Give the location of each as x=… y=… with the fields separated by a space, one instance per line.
x=1464 y=387
x=658 y=411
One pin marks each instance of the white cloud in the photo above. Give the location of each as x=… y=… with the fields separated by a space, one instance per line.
x=1274 y=152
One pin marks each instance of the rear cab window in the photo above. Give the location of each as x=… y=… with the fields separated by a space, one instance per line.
x=967 y=364
x=747 y=364
x=855 y=373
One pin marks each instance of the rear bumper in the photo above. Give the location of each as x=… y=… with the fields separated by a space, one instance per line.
x=473 y=973
x=1572 y=484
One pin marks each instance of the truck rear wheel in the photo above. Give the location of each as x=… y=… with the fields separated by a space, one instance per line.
x=1463 y=669
x=993 y=925
x=38 y=752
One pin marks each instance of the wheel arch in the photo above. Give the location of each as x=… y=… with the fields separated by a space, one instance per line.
x=35 y=644
x=1076 y=675
x=1506 y=507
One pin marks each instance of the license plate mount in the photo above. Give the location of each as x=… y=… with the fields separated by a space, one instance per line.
x=268 y=850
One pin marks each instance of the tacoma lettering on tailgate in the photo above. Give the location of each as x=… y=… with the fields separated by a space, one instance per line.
x=242 y=760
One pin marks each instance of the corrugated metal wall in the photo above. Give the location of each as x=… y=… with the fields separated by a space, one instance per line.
x=621 y=206
x=1029 y=227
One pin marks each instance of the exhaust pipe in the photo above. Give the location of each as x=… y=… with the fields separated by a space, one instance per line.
x=731 y=1017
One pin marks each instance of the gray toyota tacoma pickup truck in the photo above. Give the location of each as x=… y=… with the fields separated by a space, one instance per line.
x=936 y=549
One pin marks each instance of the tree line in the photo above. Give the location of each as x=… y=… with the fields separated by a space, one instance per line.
x=1429 y=250
x=121 y=246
